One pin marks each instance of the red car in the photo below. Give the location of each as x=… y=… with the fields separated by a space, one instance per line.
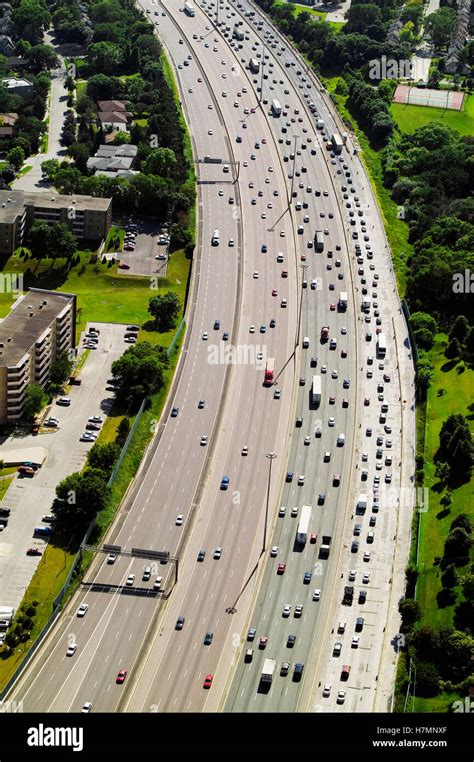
x=121 y=676
x=303 y=257
x=123 y=266
x=386 y=377
x=366 y=401
x=332 y=307
x=208 y=681
x=274 y=292
x=33 y=552
x=262 y=642
x=281 y=568
x=313 y=537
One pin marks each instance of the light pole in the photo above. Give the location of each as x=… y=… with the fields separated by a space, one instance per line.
x=271 y=456
x=303 y=268
x=261 y=78
x=293 y=169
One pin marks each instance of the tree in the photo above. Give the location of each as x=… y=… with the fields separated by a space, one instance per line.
x=424 y=329
x=161 y=161
x=440 y=24
x=80 y=496
x=105 y=57
x=453 y=349
x=462 y=520
x=123 y=431
x=49 y=169
x=139 y=372
x=35 y=400
x=424 y=372
x=63 y=242
x=457 y=545
x=103 y=456
x=42 y=57
x=16 y=157
x=31 y=18
x=460 y=329
x=443 y=471
x=410 y=612
x=449 y=577
x=39 y=239
x=80 y=153
x=165 y=309
x=60 y=369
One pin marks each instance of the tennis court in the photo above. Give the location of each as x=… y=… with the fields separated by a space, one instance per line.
x=421 y=96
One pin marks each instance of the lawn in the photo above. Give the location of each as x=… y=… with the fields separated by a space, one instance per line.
x=24 y=170
x=409 y=118
x=103 y=294
x=396 y=230
x=435 y=523
x=114 y=240
x=81 y=87
x=5 y=483
x=303 y=9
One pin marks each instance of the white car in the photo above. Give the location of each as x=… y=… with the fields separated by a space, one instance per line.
x=324 y=368
x=331 y=421
x=203 y=440
x=352 y=575
x=111 y=558
x=274 y=551
x=86 y=707
x=334 y=374
x=96 y=419
x=157 y=583
x=366 y=578
x=245 y=450
x=316 y=595
x=255 y=275
x=252 y=329
x=65 y=401
x=343 y=330
x=130 y=580
x=179 y=519
x=355 y=641
x=341 y=696
x=205 y=336
x=82 y=610
x=286 y=611
x=327 y=690
x=71 y=650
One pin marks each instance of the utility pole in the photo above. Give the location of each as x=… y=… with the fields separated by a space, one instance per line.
x=261 y=77
x=295 y=137
x=303 y=268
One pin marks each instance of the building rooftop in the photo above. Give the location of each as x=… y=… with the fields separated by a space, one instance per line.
x=12 y=202
x=13 y=82
x=30 y=316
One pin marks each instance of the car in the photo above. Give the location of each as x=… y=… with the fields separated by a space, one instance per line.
x=86 y=708
x=217 y=553
x=281 y=568
x=289 y=476
x=282 y=511
x=340 y=697
x=274 y=551
x=355 y=641
x=64 y=401
x=290 y=641
x=274 y=292
x=366 y=557
x=203 y=440
x=157 y=583
x=352 y=575
x=130 y=580
x=263 y=642
x=179 y=519
x=327 y=690
x=298 y=611
x=225 y=482
x=72 y=649
x=121 y=676
x=111 y=558
x=201 y=555
x=285 y=668
x=208 y=638
x=34 y=552
x=331 y=421
x=307 y=578
x=174 y=412
x=251 y=634
x=301 y=479
x=359 y=626
x=366 y=578
x=286 y=610
x=82 y=610
x=208 y=681
x=336 y=649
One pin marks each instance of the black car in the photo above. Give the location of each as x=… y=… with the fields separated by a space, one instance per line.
x=201 y=555
x=359 y=623
x=208 y=638
x=290 y=641
x=174 y=412
x=179 y=623
x=362 y=596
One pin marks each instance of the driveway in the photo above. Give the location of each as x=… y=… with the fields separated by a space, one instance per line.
x=30 y=499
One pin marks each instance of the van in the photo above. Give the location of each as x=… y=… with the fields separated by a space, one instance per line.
x=314 y=283
x=215 y=238
x=345 y=672
x=306 y=342
x=248 y=655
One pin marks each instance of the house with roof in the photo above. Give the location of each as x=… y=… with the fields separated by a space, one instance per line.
x=7 y=122
x=113 y=115
x=113 y=161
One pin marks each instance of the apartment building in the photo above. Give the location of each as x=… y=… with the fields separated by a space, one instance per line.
x=40 y=326
x=88 y=217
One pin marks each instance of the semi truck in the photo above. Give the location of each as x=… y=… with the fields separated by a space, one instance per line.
x=337 y=142
x=254 y=65
x=269 y=371
x=319 y=240
x=343 y=300
x=276 y=108
x=303 y=524
x=325 y=333
x=316 y=390
x=267 y=671
x=325 y=546
x=189 y=8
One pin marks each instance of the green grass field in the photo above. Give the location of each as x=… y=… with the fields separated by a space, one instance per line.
x=298 y=9
x=103 y=294
x=409 y=118
x=5 y=483
x=434 y=526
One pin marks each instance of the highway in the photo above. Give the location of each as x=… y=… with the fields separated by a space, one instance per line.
x=126 y=629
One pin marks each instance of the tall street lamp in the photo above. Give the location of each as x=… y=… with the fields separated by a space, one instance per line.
x=303 y=268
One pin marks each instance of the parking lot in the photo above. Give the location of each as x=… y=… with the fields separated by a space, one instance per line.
x=29 y=499
x=145 y=250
